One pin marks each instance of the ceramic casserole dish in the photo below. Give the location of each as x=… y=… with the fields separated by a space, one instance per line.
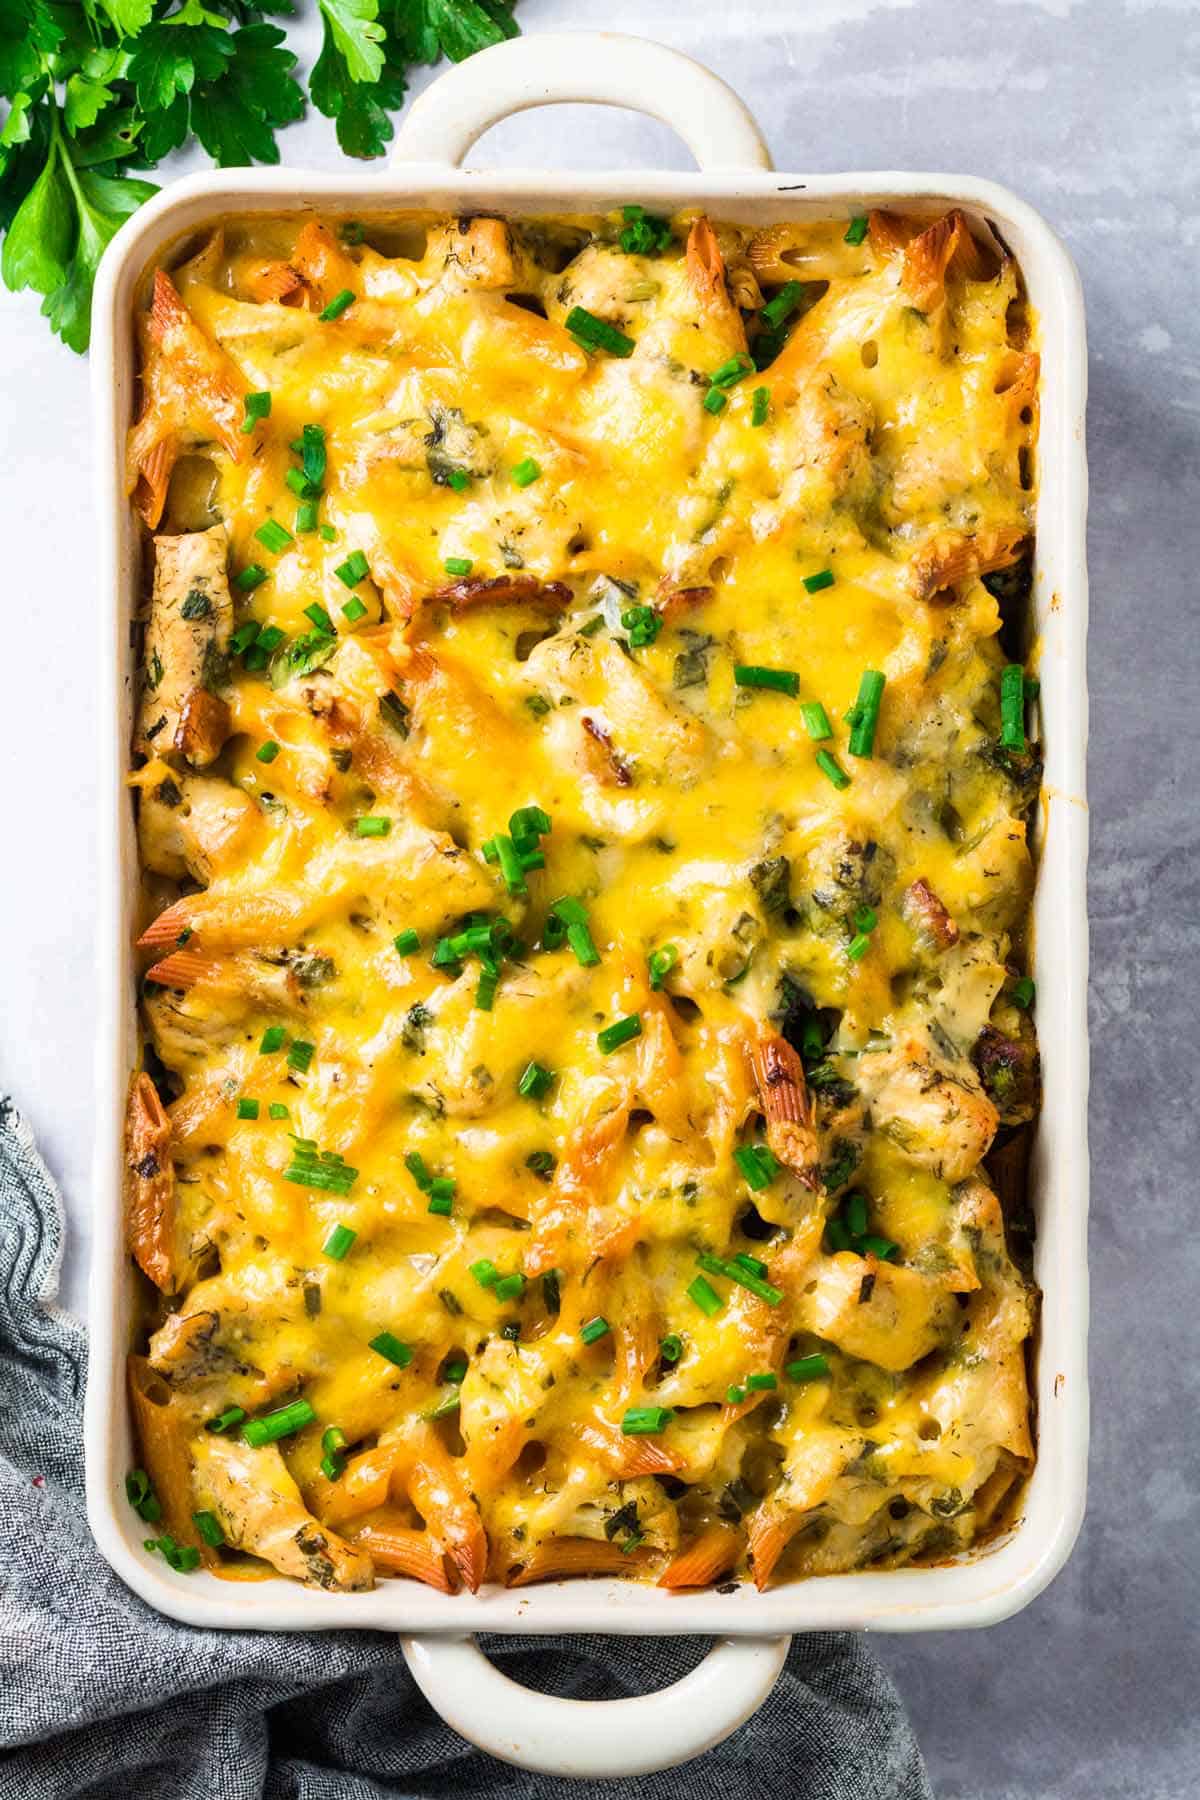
x=734 y=181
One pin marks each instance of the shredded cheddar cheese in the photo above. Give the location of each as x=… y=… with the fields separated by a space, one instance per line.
x=586 y=882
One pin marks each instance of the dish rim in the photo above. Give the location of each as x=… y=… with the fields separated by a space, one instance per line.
x=984 y=1586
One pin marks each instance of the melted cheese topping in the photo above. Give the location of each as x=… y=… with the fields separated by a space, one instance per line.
x=839 y=513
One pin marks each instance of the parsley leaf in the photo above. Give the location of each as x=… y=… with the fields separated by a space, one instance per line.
x=236 y=117
x=354 y=29
x=359 y=109
x=103 y=205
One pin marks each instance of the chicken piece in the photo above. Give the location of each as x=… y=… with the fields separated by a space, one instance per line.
x=187 y=638
x=882 y=1312
x=622 y=702
x=938 y=1116
x=929 y=917
x=477 y=253
x=260 y=1510
x=193 y=826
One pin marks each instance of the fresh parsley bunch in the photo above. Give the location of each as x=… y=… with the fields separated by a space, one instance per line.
x=97 y=87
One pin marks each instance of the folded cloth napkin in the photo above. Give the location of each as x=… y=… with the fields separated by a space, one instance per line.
x=103 y=1698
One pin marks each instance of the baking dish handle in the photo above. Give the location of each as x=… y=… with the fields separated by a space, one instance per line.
x=597 y=1740
x=608 y=68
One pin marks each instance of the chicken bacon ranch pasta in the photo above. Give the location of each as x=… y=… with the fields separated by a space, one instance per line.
x=582 y=775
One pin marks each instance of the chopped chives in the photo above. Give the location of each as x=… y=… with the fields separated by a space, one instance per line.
x=269 y=638
x=338 y=305
x=646 y=1421
x=388 y=1345
x=328 y=534
x=783 y=305
x=252 y=576
x=737 y=1272
x=226 y=1420
x=325 y=1172
x=830 y=766
x=279 y=1424
x=670 y=1348
x=1024 y=992
x=333 y=1461
x=854 y=1211
x=858 y=946
x=485 y=989
x=141 y=1496
x=206 y=1523
x=277 y=1110
x=643 y=625
x=706 y=1296
x=816 y=720
x=866 y=713
x=758 y=1166
x=244 y=636
x=808 y=1368
x=307 y=514
x=881 y=1247
x=274 y=536
x=407 y=942
x=338 y=1243
x=660 y=963
x=715 y=401
x=266 y=753
x=622 y=1031
x=822 y=579
x=856 y=231
x=258 y=406
x=579 y=938
x=458 y=565
x=535 y=1081
x=485 y=1272
x=372 y=825
x=448 y=1404
x=597 y=334
x=354 y=610
x=525 y=472
x=643 y=234
x=183 y=1558
x=865 y=918
x=320 y=618
x=458 y=479
x=247 y=1108
x=761 y=1384
x=779 y=681
x=836 y=1235
x=509 y=1287
x=455 y=1371
x=751 y=1264
x=301 y=486
x=734 y=1395
x=414 y=1162
x=594 y=1330
x=760 y=406
x=441 y=1198
x=356 y=568
x=1012 y=707
x=300 y=1055
x=731 y=372
x=272 y=1040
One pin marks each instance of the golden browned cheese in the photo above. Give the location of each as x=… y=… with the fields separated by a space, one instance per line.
x=540 y=716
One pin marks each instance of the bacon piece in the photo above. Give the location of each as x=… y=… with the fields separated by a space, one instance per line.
x=673 y=601
x=204 y=724
x=923 y=905
x=783 y=1096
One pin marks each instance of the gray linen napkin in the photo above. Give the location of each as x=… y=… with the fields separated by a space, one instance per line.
x=103 y=1698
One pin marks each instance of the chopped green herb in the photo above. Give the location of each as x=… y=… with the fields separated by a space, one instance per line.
x=277 y=1110
x=272 y=1040
x=338 y=305
x=715 y=401
x=372 y=825
x=856 y=231
x=760 y=409
x=1012 y=707
x=1023 y=993
x=338 y=1242
x=594 y=1330
x=407 y=942
x=354 y=610
x=646 y=1421
x=783 y=305
x=779 y=681
x=525 y=472
x=816 y=720
x=623 y=1031
x=866 y=713
x=274 y=536
x=247 y=1108
x=356 y=568
x=822 y=579
x=284 y=1422
x=252 y=576
x=761 y=1384
x=535 y=1082
x=458 y=565
x=597 y=334
x=300 y=1055
x=258 y=406
x=670 y=1348
x=758 y=1166
x=808 y=1368
x=225 y=1421
x=660 y=963
x=388 y=1345
x=830 y=767
x=705 y=1296
x=643 y=234
x=209 y=1528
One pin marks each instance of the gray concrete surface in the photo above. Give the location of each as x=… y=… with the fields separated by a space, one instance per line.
x=1089 y=110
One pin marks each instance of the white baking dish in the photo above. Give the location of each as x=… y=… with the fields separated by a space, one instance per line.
x=734 y=181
